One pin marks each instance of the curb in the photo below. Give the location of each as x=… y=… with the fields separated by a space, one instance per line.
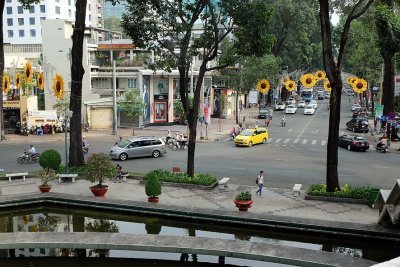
x=336 y=199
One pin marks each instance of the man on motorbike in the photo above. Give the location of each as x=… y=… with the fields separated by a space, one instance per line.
x=382 y=143
x=31 y=151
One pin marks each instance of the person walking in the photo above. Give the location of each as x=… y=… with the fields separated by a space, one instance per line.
x=260 y=182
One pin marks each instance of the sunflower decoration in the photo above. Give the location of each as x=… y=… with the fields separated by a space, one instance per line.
x=351 y=80
x=290 y=85
x=18 y=81
x=28 y=73
x=327 y=86
x=6 y=83
x=308 y=80
x=320 y=75
x=263 y=86
x=58 y=86
x=359 y=86
x=40 y=81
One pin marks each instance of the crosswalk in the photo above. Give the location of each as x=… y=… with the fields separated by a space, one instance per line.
x=287 y=141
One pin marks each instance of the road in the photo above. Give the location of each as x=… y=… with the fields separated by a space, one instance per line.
x=294 y=154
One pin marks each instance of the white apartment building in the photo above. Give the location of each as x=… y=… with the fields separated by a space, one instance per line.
x=24 y=26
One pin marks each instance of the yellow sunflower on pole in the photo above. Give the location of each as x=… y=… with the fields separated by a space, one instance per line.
x=263 y=86
x=18 y=81
x=6 y=83
x=290 y=85
x=327 y=86
x=40 y=81
x=359 y=86
x=28 y=73
x=320 y=75
x=351 y=80
x=58 y=86
x=308 y=80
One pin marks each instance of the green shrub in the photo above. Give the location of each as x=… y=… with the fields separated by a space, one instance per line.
x=153 y=185
x=99 y=168
x=347 y=191
x=80 y=170
x=50 y=159
x=198 y=179
x=243 y=196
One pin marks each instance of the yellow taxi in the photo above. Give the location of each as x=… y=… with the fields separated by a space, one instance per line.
x=251 y=136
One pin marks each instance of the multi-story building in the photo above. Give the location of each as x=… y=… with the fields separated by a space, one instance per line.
x=24 y=26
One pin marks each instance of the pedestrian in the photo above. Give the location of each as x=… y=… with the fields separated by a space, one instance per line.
x=201 y=119
x=119 y=173
x=260 y=182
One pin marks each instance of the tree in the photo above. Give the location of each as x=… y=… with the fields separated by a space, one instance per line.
x=333 y=69
x=133 y=105
x=113 y=23
x=168 y=26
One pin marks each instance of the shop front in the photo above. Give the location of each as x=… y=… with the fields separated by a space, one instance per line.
x=15 y=111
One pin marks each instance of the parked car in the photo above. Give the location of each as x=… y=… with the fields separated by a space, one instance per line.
x=291 y=109
x=264 y=113
x=251 y=136
x=138 y=147
x=309 y=110
x=360 y=112
x=354 y=106
x=314 y=104
x=280 y=106
x=301 y=104
x=358 y=125
x=352 y=142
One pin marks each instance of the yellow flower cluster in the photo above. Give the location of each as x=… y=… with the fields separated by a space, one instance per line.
x=263 y=86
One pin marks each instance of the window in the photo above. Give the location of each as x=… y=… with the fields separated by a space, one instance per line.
x=21 y=33
x=42 y=9
x=9 y=22
x=69 y=2
x=20 y=21
x=33 y=33
x=9 y=10
x=20 y=10
x=132 y=83
x=32 y=21
x=10 y=34
x=69 y=12
x=90 y=17
x=31 y=9
x=8 y=1
x=42 y=18
x=156 y=142
x=89 y=7
x=145 y=143
x=133 y=144
x=58 y=10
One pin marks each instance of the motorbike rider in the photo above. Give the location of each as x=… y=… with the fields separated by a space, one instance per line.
x=85 y=144
x=283 y=121
x=382 y=143
x=31 y=151
x=168 y=137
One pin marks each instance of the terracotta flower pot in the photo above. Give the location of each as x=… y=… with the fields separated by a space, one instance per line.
x=99 y=191
x=243 y=205
x=153 y=199
x=44 y=189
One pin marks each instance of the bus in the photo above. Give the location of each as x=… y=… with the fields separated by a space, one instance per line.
x=306 y=96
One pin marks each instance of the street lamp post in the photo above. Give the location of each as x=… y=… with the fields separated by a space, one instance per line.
x=67 y=117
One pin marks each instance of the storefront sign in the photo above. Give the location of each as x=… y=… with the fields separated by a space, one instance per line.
x=14 y=104
x=160 y=97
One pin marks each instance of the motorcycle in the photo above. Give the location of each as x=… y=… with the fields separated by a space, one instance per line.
x=382 y=148
x=26 y=158
x=182 y=145
x=85 y=149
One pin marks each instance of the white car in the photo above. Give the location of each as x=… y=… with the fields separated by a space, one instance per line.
x=291 y=109
x=355 y=106
x=280 y=106
x=309 y=110
x=313 y=103
x=301 y=104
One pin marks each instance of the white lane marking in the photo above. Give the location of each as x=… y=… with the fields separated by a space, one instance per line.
x=278 y=140
x=344 y=175
x=291 y=171
x=238 y=168
x=295 y=141
x=289 y=130
x=315 y=131
x=226 y=140
x=323 y=143
x=304 y=141
x=286 y=141
x=314 y=142
x=281 y=160
x=305 y=127
x=381 y=167
x=238 y=157
x=269 y=140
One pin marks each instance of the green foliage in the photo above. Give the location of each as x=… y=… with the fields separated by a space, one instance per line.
x=132 y=103
x=198 y=178
x=153 y=185
x=347 y=191
x=388 y=28
x=101 y=226
x=243 y=196
x=99 y=168
x=46 y=175
x=80 y=170
x=397 y=103
x=50 y=159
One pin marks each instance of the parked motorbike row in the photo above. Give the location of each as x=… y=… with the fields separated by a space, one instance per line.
x=176 y=144
x=43 y=129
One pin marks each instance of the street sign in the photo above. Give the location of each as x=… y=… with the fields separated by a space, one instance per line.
x=379 y=110
x=391 y=116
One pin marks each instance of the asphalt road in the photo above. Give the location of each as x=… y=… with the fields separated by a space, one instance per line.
x=294 y=154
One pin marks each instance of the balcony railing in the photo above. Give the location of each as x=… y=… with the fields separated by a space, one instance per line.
x=118 y=63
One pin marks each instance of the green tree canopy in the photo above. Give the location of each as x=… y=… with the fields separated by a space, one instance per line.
x=132 y=105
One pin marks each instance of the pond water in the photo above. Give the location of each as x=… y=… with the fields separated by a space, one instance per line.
x=61 y=220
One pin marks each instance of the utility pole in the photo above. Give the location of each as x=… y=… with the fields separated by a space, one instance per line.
x=114 y=122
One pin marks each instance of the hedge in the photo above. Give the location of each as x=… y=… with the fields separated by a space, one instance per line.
x=346 y=191
x=198 y=178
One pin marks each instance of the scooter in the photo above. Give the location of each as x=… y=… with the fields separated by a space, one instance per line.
x=382 y=148
x=182 y=145
x=26 y=158
x=85 y=149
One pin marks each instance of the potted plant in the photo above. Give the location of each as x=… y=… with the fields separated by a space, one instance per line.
x=243 y=201
x=98 y=169
x=153 y=187
x=45 y=176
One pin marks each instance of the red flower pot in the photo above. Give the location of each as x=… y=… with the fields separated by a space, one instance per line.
x=44 y=189
x=153 y=199
x=243 y=205
x=99 y=191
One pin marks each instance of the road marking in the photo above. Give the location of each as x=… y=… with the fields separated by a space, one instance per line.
x=305 y=127
x=269 y=140
x=239 y=168
x=278 y=140
x=323 y=143
x=304 y=141
x=291 y=171
x=345 y=175
x=314 y=142
x=281 y=160
x=286 y=141
x=315 y=131
x=295 y=141
x=226 y=140
x=381 y=167
x=289 y=130
x=238 y=157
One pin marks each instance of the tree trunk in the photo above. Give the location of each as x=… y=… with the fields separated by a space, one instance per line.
x=372 y=99
x=237 y=107
x=77 y=71
x=2 y=134
x=133 y=127
x=388 y=82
